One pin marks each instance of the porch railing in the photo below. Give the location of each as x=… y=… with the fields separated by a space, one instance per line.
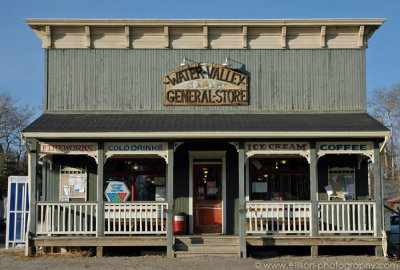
x=66 y=218
x=135 y=218
x=351 y=217
x=278 y=217
x=80 y=218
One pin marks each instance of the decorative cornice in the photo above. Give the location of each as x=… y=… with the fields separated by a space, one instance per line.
x=204 y=33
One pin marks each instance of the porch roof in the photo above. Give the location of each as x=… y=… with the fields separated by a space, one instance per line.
x=210 y=125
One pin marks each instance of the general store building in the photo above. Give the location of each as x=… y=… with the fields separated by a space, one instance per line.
x=254 y=131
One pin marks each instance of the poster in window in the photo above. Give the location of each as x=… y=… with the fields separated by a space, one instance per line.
x=159 y=181
x=350 y=191
x=160 y=193
x=66 y=191
x=72 y=180
x=212 y=188
x=329 y=190
x=200 y=190
x=76 y=180
x=116 y=191
x=257 y=164
x=78 y=183
x=259 y=187
x=342 y=186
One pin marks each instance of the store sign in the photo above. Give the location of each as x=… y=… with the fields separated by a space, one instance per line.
x=117 y=191
x=205 y=84
x=278 y=146
x=136 y=147
x=344 y=148
x=126 y=148
x=75 y=148
x=273 y=148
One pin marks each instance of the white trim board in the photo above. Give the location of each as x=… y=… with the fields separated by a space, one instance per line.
x=210 y=135
x=207 y=155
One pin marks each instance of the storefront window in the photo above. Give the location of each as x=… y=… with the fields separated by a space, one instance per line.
x=341 y=183
x=279 y=179
x=144 y=179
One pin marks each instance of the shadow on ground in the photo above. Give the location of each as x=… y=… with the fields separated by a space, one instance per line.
x=270 y=252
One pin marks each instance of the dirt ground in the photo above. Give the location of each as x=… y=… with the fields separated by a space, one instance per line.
x=14 y=259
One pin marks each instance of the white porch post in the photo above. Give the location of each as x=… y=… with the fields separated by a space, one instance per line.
x=100 y=202
x=242 y=203
x=378 y=190
x=31 y=230
x=313 y=189
x=45 y=168
x=313 y=195
x=170 y=199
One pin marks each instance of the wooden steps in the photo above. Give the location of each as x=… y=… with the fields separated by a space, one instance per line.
x=196 y=245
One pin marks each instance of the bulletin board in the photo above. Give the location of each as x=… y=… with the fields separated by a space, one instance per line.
x=341 y=183
x=73 y=184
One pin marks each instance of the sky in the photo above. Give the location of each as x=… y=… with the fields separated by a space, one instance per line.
x=22 y=58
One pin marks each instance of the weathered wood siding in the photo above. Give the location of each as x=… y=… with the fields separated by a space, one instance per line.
x=51 y=189
x=280 y=80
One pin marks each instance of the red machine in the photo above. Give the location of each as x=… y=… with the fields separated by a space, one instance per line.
x=180 y=224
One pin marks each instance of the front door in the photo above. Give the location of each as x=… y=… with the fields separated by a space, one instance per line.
x=207 y=194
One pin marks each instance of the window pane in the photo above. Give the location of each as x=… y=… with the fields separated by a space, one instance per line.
x=279 y=179
x=145 y=178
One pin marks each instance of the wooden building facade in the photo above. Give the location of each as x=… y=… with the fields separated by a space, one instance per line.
x=240 y=132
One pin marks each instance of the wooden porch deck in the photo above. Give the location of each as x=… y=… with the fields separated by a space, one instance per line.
x=264 y=240
x=201 y=245
x=114 y=241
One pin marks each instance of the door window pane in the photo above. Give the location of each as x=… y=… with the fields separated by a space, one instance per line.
x=208 y=183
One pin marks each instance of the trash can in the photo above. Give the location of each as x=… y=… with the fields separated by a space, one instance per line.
x=180 y=223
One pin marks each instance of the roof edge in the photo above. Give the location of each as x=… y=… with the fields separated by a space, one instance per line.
x=267 y=22
x=280 y=112
x=208 y=135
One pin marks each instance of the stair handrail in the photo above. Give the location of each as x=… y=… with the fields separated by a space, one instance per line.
x=391 y=209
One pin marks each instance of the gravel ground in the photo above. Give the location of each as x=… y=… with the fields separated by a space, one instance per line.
x=15 y=259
